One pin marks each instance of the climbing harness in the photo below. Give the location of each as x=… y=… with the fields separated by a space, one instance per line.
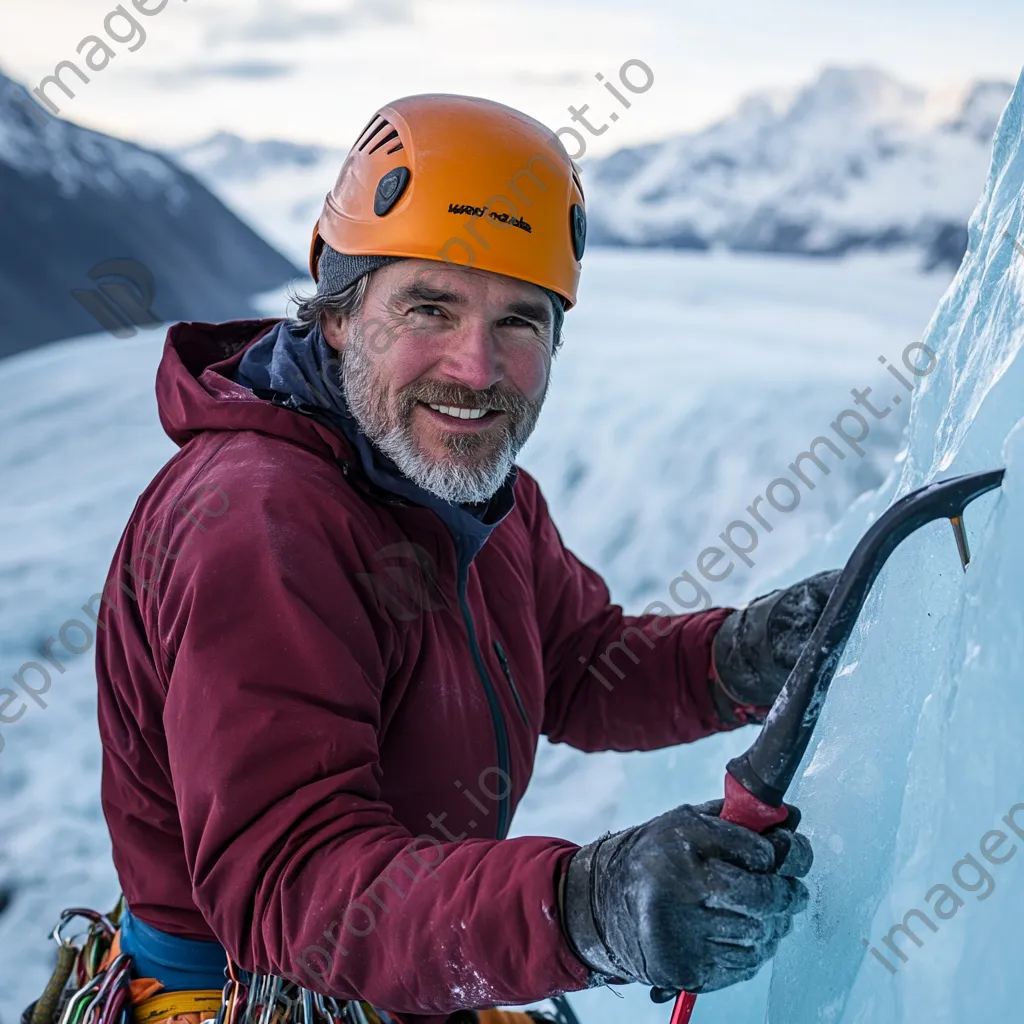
x=92 y=984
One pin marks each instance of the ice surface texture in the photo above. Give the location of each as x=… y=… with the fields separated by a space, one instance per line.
x=918 y=754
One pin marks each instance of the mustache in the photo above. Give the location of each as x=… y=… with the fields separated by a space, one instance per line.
x=438 y=392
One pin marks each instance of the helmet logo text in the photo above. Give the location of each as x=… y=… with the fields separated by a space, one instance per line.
x=480 y=211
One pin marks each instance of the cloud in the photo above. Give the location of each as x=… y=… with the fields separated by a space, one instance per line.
x=549 y=79
x=249 y=70
x=274 y=21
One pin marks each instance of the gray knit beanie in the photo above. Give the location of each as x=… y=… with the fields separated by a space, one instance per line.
x=338 y=270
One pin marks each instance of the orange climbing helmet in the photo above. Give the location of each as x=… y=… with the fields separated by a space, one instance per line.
x=462 y=180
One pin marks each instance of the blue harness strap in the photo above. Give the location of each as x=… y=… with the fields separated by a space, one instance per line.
x=179 y=964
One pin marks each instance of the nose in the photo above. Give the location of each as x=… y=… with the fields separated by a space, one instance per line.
x=470 y=355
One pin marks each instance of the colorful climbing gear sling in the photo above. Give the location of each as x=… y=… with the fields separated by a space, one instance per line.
x=93 y=983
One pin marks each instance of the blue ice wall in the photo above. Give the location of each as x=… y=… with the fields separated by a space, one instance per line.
x=919 y=756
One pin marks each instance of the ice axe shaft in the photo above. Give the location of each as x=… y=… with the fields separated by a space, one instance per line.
x=756 y=781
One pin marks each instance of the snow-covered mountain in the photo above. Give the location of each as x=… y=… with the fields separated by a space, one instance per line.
x=73 y=199
x=277 y=187
x=854 y=160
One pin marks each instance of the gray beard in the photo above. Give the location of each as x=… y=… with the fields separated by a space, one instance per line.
x=457 y=477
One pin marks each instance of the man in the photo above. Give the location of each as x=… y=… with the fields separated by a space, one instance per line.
x=323 y=707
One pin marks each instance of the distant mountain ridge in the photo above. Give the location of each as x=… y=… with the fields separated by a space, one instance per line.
x=855 y=160
x=74 y=199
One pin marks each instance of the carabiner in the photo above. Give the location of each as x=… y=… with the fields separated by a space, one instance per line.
x=92 y=915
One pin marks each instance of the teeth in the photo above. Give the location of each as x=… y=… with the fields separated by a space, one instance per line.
x=458 y=412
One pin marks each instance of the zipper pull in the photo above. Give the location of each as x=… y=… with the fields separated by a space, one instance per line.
x=503 y=660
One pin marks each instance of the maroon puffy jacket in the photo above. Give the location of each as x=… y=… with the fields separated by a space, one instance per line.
x=315 y=735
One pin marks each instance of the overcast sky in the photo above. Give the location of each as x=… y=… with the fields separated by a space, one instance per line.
x=314 y=70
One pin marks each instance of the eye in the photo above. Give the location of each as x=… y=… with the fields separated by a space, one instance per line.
x=427 y=306
x=520 y=322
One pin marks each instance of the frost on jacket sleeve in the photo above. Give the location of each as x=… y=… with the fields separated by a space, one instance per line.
x=615 y=681
x=272 y=717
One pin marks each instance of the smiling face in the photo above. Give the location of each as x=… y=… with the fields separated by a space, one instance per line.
x=446 y=369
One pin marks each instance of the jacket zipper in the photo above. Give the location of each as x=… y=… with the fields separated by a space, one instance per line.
x=503 y=659
x=497 y=715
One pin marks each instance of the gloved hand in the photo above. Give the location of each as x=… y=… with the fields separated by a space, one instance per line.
x=686 y=901
x=756 y=647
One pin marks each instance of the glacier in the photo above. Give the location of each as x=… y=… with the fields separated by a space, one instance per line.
x=645 y=451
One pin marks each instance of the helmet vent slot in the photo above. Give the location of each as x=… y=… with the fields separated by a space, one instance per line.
x=369 y=138
x=366 y=126
x=390 y=137
x=395 y=149
x=579 y=184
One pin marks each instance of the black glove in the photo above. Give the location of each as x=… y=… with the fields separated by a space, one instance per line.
x=756 y=647
x=686 y=901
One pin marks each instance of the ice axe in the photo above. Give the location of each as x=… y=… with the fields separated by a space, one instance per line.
x=756 y=782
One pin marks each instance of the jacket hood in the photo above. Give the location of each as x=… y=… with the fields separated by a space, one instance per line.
x=195 y=391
